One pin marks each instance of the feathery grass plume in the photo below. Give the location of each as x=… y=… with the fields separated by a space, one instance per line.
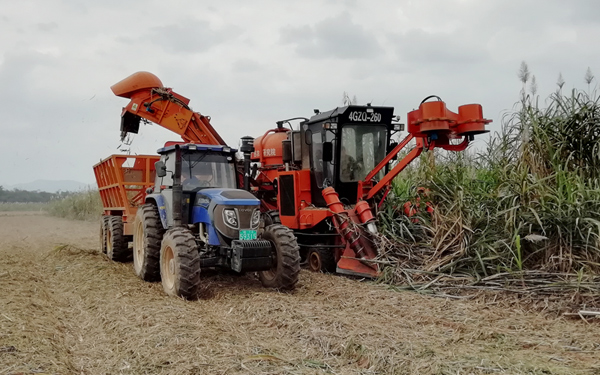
x=523 y=75
x=560 y=82
x=534 y=87
x=589 y=77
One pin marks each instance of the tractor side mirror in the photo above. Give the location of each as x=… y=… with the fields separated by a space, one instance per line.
x=327 y=152
x=161 y=168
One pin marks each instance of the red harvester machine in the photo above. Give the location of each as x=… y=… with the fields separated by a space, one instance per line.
x=326 y=178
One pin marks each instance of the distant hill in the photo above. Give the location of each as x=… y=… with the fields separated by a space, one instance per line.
x=51 y=186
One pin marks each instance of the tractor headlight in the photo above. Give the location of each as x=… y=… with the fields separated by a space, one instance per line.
x=231 y=218
x=255 y=219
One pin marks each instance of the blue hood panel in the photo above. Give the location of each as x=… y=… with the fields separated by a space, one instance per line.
x=236 y=197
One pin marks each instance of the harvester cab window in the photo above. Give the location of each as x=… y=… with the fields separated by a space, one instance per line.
x=330 y=137
x=363 y=147
x=317 y=157
x=321 y=169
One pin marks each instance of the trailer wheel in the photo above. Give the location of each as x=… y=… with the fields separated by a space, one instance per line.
x=103 y=233
x=286 y=258
x=321 y=259
x=147 y=234
x=116 y=246
x=179 y=263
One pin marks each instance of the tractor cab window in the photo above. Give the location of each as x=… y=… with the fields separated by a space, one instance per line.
x=317 y=157
x=207 y=170
x=363 y=147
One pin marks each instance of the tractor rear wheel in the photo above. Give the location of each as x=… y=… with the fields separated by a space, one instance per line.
x=103 y=232
x=147 y=234
x=321 y=259
x=180 y=263
x=116 y=246
x=286 y=258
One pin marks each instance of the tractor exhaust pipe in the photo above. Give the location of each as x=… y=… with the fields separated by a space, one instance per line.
x=247 y=148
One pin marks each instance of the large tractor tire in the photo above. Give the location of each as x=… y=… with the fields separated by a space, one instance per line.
x=147 y=235
x=180 y=263
x=116 y=245
x=321 y=259
x=103 y=233
x=286 y=258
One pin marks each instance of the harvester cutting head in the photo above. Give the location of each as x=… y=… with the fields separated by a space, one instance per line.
x=433 y=118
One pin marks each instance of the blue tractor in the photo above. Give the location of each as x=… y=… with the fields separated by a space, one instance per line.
x=195 y=217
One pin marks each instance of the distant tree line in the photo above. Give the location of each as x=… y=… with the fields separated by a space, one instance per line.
x=24 y=196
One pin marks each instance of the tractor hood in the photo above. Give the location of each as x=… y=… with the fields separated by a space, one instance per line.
x=235 y=197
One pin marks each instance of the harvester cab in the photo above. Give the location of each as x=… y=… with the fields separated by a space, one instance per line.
x=344 y=145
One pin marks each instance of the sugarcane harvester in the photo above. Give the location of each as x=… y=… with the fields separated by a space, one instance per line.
x=326 y=179
x=194 y=215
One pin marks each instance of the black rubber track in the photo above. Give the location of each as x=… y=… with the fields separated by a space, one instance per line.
x=117 y=249
x=186 y=276
x=286 y=253
x=147 y=266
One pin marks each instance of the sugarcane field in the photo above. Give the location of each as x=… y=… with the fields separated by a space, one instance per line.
x=275 y=188
x=469 y=262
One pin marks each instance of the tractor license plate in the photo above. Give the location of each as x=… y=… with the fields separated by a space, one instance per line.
x=247 y=234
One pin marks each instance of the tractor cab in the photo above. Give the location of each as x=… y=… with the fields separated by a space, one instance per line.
x=344 y=145
x=200 y=167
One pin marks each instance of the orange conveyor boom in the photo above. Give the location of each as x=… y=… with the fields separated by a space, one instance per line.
x=153 y=102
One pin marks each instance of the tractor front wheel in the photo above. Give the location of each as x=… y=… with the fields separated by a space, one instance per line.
x=147 y=234
x=286 y=258
x=179 y=263
x=116 y=246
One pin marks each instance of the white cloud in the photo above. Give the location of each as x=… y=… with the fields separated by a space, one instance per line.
x=249 y=64
x=337 y=37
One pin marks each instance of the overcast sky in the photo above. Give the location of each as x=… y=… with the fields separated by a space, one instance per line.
x=248 y=64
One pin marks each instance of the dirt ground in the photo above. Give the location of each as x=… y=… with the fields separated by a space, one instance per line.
x=69 y=310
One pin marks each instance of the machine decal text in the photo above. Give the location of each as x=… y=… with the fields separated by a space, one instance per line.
x=365 y=116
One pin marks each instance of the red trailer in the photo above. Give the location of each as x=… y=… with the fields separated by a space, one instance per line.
x=122 y=182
